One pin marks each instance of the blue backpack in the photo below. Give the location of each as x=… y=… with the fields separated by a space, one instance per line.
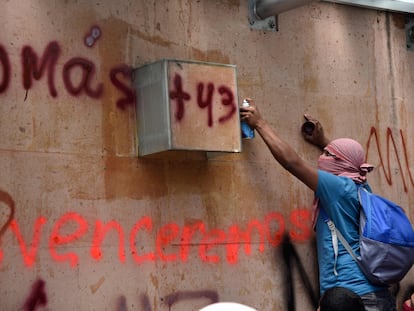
x=386 y=239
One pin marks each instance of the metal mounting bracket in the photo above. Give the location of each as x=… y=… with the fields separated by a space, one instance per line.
x=267 y=24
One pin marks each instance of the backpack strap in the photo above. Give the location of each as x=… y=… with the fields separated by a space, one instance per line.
x=336 y=234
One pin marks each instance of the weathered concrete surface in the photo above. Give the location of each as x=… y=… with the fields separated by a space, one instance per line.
x=69 y=161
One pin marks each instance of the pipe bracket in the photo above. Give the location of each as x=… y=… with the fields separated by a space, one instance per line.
x=257 y=23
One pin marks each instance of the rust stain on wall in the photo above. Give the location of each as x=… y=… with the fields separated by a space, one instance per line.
x=398 y=20
x=231 y=3
x=118 y=126
x=134 y=178
x=210 y=56
x=157 y=40
x=310 y=81
x=154 y=281
x=95 y=287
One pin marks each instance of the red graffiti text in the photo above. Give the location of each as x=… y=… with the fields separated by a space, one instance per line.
x=172 y=242
x=34 y=67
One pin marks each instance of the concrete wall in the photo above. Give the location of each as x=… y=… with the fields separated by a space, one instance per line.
x=85 y=224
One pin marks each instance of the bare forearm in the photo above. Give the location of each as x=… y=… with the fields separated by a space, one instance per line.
x=279 y=148
x=287 y=156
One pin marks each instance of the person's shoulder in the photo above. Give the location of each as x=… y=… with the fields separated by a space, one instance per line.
x=329 y=177
x=330 y=184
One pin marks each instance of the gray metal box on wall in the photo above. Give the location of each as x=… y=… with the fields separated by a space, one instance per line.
x=187 y=105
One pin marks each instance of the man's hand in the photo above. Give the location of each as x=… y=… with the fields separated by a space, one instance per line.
x=313 y=133
x=251 y=114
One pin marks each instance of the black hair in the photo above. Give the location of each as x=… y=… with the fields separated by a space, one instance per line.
x=341 y=299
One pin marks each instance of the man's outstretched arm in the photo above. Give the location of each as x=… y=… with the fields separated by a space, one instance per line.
x=284 y=154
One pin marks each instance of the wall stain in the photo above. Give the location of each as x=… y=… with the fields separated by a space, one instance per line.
x=94 y=288
x=210 y=56
x=157 y=40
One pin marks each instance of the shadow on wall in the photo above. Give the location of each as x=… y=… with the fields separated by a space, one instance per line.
x=291 y=259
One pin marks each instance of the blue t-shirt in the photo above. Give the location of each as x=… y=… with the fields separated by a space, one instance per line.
x=338 y=197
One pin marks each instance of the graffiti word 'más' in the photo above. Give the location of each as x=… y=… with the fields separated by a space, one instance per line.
x=170 y=242
x=35 y=67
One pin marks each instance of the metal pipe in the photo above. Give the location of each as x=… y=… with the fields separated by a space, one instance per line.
x=266 y=8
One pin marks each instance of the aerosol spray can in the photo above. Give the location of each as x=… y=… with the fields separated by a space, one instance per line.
x=247 y=131
x=308 y=127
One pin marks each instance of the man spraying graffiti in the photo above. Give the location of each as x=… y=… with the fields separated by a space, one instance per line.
x=340 y=169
